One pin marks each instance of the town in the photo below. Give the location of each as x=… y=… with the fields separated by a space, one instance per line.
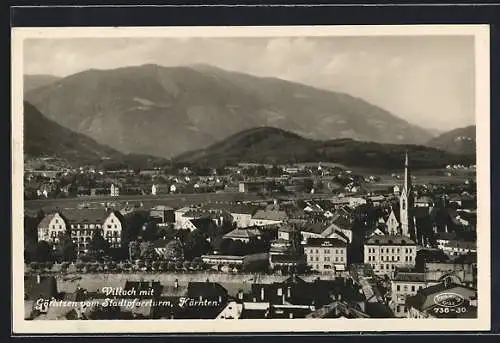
x=311 y=240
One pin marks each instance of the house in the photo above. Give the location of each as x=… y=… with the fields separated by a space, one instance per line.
x=326 y=255
x=180 y=219
x=426 y=303
x=392 y=223
x=157 y=189
x=286 y=261
x=244 y=235
x=424 y=201
x=84 y=223
x=164 y=214
x=219 y=260
x=459 y=247
x=462 y=270
x=386 y=253
x=114 y=190
x=356 y=201
x=264 y=218
x=406 y=283
x=51 y=227
x=242 y=214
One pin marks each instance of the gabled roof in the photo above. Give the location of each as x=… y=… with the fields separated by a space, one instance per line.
x=270 y=215
x=86 y=215
x=325 y=242
x=390 y=240
x=44 y=223
x=243 y=233
x=208 y=290
x=162 y=208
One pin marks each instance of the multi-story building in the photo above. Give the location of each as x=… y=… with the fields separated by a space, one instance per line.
x=84 y=224
x=114 y=191
x=51 y=227
x=326 y=254
x=406 y=283
x=164 y=214
x=388 y=252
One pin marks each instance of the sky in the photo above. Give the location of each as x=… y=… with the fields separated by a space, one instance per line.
x=426 y=80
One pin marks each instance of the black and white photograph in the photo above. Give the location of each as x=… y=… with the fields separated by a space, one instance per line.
x=324 y=178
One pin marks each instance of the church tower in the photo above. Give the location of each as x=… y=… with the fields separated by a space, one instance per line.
x=406 y=202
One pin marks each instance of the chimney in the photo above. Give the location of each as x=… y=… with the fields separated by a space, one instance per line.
x=176 y=283
x=240 y=294
x=289 y=292
x=290 y=315
x=262 y=293
x=38 y=278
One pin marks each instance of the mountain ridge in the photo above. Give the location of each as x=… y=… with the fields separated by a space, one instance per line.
x=275 y=146
x=165 y=111
x=461 y=140
x=45 y=138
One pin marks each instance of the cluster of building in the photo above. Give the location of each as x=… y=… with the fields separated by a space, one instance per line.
x=319 y=236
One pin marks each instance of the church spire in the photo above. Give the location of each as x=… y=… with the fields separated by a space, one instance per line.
x=406 y=201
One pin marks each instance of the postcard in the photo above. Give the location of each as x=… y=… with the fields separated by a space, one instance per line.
x=250 y=179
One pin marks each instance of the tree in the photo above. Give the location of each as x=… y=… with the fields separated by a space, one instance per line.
x=236 y=248
x=133 y=225
x=195 y=245
x=66 y=249
x=43 y=252
x=174 y=251
x=133 y=250
x=147 y=251
x=98 y=245
x=149 y=231
x=224 y=246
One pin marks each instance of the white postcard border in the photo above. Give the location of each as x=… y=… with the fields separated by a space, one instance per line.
x=482 y=97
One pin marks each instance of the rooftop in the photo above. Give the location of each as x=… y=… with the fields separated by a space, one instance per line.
x=325 y=242
x=390 y=240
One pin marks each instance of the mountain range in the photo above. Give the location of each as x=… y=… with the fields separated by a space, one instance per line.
x=31 y=82
x=460 y=141
x=166 y=111
x=44 y=137
x=272 y=145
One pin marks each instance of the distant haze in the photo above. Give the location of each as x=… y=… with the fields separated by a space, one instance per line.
x=428 y=81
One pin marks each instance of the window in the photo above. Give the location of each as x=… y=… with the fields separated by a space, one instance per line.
x=327 y=259
x=393 y=258
x=317 y=251
x=381 y=266
x=341 y=259
x=57 y=221
x=392 y=250
x=413 y=288
x=317 y=258
x=398 y=288
x=327 y=251
x=311 y=259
